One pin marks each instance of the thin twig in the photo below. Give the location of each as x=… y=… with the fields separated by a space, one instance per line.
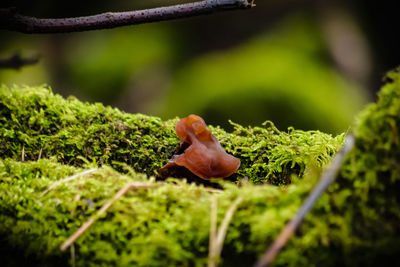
x=224 y=225
x=11 y=20
x=40 y=154
x=73 y=256
x=207 y=189
x=218 y=240
x=326 y=179
x=213 y=232
x=212 y=190
x=16 y=61
x=87 y=224
x=54 y=185
x=23 y=154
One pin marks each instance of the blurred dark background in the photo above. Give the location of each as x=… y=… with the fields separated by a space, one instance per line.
x=303 y=63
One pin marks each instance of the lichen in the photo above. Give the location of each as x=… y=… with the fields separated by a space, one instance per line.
x=356 y=223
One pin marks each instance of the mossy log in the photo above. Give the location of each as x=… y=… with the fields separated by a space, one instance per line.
x=39 y=122
x=45 y=138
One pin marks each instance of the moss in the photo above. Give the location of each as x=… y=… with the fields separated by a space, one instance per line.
x=165 y=225
x=356 y=223
x=35 y=119
x=372 y=172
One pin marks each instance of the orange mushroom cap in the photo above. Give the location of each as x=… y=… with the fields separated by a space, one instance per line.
x=204 y=157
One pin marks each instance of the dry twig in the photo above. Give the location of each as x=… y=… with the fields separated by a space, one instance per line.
x=217 y=237
x=326 y=179
x=23 y=154
x=73 y=261
x=213 y=231
x=101 y=211
x=206 y=189
x=40 y=154
x=11 y=20
x=54 y=185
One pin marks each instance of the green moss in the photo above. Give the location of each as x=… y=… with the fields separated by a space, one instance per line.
x=35 y=119
x=164 y=225
x=356 y=223
x=373 y=173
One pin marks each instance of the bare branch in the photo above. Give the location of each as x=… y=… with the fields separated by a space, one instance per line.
x=13 y=21
x=16 y=62
x=326 y=179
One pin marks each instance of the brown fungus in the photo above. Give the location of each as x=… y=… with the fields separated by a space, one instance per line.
x=203 y=155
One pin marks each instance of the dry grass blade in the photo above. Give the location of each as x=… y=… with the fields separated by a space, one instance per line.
x=101 y=211
x=40 y=153
x=224 y=225
x=212 y=190
x=23 y=154
x=218 y=238
x=73 y=261
x=67 y=180
x=213 y=232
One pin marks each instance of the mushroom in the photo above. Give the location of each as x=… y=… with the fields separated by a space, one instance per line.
x=204 y=155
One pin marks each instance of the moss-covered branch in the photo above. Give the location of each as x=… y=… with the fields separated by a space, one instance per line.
x=73 y=132
x=356 y=223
